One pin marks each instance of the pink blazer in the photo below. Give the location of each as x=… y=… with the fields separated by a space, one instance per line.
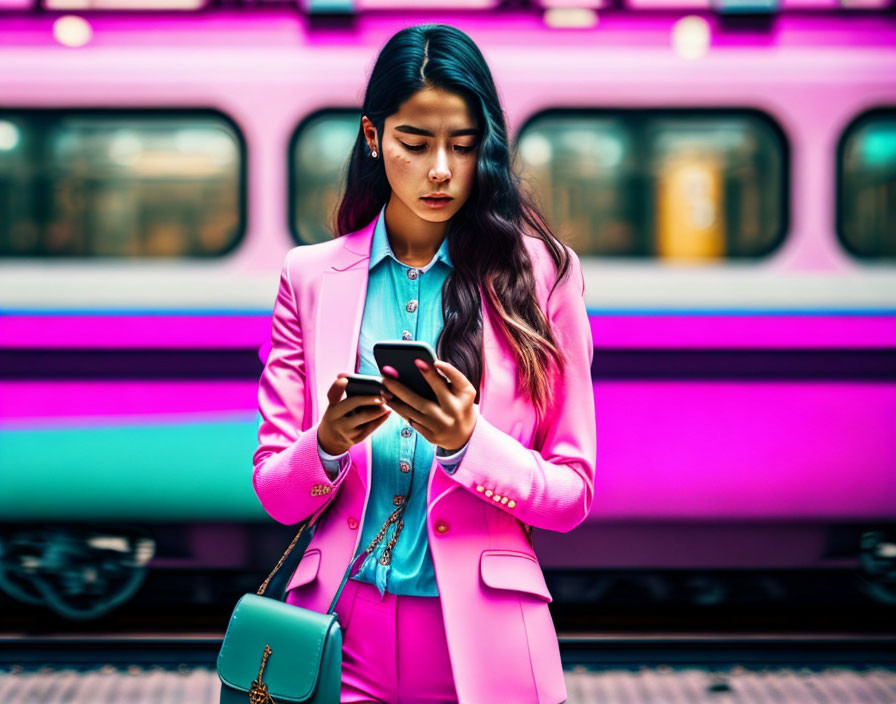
x=501 y=638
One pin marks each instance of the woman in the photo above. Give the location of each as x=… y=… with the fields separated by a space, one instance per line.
x=449 y=602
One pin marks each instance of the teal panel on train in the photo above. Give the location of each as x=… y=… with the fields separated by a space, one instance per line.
x=156 y=472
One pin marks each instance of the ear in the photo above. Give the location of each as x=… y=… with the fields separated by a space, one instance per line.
x=370 y=133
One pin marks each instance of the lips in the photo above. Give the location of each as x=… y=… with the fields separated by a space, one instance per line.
x=436 y=202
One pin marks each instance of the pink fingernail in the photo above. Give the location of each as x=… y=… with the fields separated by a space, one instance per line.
x=391 y=371
x=421 y=364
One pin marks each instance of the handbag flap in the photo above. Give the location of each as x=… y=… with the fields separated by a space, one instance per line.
x=295 y=636
x=509 y=569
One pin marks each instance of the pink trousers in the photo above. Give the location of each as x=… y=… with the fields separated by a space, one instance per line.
x=393 y=648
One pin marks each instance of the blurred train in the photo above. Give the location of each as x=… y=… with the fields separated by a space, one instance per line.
x=725 y=169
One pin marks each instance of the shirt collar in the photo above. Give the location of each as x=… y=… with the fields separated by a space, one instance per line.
x=379 y=248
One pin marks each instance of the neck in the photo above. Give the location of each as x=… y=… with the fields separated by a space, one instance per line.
x=413 y=240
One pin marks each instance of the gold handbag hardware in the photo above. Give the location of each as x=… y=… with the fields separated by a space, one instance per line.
x=258 y=691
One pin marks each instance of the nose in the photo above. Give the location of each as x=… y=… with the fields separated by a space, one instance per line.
x=440 y=170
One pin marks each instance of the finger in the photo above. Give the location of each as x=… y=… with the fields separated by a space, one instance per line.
x=365 y=414
x=388 y=372
x=436 y=382
x=458 y=381
x=351 y=403
x=400 y=407
x=403 y=409
x=423 y=430
x=374 y=424
x=411 y=398
x=334 y=393
x=413 y=416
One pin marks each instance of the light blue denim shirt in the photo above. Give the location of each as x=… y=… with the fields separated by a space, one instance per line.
x=403 y=303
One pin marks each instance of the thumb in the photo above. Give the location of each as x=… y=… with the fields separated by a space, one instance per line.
x=336 y=388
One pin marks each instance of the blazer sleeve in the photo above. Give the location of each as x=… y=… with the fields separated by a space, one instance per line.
x=551 y=487
x=288 y=475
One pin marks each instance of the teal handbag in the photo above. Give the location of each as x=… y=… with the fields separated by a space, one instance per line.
x=277 y=653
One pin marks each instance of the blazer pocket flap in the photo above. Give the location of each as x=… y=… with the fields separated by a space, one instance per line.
x=510 y=569
x=307 y=569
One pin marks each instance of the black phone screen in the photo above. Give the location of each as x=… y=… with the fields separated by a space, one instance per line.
x=401 y=354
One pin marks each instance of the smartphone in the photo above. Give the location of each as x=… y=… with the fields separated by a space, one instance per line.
x=401 y=354
x=363 y=385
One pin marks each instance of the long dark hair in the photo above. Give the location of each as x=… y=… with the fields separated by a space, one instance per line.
x=485 y=235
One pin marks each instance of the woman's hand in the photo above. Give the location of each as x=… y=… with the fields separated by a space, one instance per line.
x=447 y=423
x=339 y=428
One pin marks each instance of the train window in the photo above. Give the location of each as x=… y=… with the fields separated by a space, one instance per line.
x=319 y=153
x=668 y=184
x=120 y=183
x=866 y=185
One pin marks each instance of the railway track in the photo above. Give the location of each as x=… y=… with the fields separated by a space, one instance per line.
x=601 y=668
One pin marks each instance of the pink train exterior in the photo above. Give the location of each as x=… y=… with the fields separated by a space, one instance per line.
x=691 y=470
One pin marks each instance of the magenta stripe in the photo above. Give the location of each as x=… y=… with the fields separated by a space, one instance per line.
x=724 y=450
x=744 y=331
x=637 y=331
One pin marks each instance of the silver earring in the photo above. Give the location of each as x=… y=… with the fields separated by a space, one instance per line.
x=373 y=154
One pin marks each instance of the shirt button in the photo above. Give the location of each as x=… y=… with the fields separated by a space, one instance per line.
x=406 y=335
x=411 y=306
x=406 y=432
x=398 y=499
x=352 y=522
x=441 y=527
x=405 y=466
x=412 y=274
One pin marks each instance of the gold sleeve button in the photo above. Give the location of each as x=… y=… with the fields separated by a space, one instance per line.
x=496 y=497
x=489 y=492
x=479 y=487
x=511 y=503
x=503 y=499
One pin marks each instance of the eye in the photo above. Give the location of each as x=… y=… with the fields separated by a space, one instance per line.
x=421 y=147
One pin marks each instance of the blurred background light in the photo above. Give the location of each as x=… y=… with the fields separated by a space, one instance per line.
x=9 y=136
x=72 y=31
x=570 y=18
x=690 y=37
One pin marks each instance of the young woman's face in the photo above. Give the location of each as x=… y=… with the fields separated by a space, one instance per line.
x=429 y=146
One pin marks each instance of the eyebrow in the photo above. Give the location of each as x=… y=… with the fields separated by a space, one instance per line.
x=426 y=133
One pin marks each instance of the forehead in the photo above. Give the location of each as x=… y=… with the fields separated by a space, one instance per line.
x=435 y=110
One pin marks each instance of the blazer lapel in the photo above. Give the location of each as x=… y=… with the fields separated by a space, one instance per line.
x=340 y=307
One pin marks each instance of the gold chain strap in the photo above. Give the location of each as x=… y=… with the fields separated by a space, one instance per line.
x=386 y=557
x=264 y=584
